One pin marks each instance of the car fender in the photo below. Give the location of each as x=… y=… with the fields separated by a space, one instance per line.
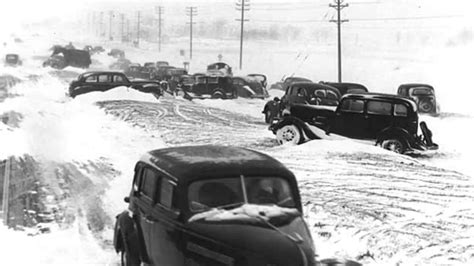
x=287 y=120
x=396 y=132
x=128 y=228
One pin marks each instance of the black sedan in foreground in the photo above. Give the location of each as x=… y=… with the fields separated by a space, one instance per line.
x=213 y=205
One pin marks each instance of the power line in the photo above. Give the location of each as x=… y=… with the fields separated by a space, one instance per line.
x=191 y=11
x=242 y=6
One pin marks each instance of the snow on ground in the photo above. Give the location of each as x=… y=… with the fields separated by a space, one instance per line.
x=358 y=199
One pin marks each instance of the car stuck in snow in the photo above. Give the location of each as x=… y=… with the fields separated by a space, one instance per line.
x=390 y=121
x=213 y=205
x=107 y=80
x=422 y=94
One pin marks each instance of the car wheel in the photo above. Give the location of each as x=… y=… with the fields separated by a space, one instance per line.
x=289 y=134
x=394 y=145
x=268 y=117
x=217 y=95
x=425 y=106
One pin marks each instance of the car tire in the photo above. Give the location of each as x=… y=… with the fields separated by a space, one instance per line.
x=127 y=258
x=426 y=106
x=217 y=95
x=289 y=134
x=394 y=145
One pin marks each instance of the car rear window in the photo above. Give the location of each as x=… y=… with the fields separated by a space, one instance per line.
x=353 y=106
x=379 y=108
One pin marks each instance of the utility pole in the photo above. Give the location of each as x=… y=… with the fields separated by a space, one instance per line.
x=122 y=24
x=138 y=29
x=191 y=11
x=111 y=14
x=159 y=10
x=339 y=5
x=101 y=24
x=93 y=27
x=129 y=37
x=242 y=6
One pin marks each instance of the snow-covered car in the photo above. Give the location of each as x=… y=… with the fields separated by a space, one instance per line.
x=116 y=53
x=63 y=57
x=306 y=93
x=213 y=205
x=214 y=87
x=107 y=80
x=219 y=69
x=262 y=78
x=422 y=94
x=12 y=60
x=390 y=121
x=249 y=87
x=283 y=84
x=121 y=64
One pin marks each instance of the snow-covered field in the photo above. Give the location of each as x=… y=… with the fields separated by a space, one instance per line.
x=361 y=202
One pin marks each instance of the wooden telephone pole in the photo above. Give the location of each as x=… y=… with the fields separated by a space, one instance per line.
x=339 y=5
x=191 y=11
x=159 y=10
x=242 y=6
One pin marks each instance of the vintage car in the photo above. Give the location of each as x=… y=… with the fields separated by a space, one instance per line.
x=213 y=205
x=162 y=63
x=116 y=53
x=302 y=93
x=107 y=80
x=262 y=78
x=6 y=82
x=422 y=94
x=162 y=72
x=219 y=69
x=390 y=121
x=249 y=87
x=98 y=49
x=63 y=57
x=137 y=71
x=121 y=64
x=346 y=87
x=282 y=85
x=12 y=60
x=214 y=87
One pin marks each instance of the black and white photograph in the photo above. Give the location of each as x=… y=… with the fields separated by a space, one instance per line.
x=236 y=132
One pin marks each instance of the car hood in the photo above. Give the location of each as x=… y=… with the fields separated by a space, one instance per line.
x=250 y=229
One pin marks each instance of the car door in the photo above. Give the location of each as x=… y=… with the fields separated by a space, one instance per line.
x=166 y=232
x=144 y=204
x=379 y=116
x=119 y=80
x=104 y=82
x=350 y=119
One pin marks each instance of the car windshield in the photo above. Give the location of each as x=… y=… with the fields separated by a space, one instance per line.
x=422 y=91
x=229 y=193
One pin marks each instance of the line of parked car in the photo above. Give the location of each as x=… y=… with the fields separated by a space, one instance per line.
x=311 y=110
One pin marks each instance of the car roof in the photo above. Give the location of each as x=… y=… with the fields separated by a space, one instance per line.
x=190 y=163
x=89 y=73
x=411 y=85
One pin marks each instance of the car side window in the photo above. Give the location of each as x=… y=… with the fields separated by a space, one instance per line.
x=201 y=80
x=352 y=105
x=149 y=183
x=379 y=108
x=400 y=110
x=166 y=193
x=212 y=80
x=91 y=79
x=118 y=78
x=103 y=78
